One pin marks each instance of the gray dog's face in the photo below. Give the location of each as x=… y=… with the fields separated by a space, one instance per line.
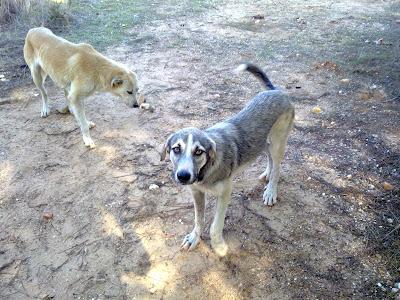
x=191 y=152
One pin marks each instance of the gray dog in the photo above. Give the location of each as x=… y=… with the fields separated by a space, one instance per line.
x=207 y=159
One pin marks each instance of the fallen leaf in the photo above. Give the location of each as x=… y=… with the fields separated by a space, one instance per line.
x=387 y=186
x=316 y=110
x=47 y=216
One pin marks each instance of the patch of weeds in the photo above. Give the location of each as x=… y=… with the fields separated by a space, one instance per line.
x=103 y=23
x=200 y=5
x=384 y=240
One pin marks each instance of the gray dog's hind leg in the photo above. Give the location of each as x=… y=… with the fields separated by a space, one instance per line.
x=278 y=137
x=264 y=177
x=192 y=239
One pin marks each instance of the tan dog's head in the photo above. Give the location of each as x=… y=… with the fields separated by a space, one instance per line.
x=124 y=84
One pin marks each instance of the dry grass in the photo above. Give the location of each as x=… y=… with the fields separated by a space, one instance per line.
x=52 y=13
x=10 y=9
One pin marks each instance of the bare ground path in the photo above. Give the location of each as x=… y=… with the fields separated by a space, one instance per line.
x=112 y=237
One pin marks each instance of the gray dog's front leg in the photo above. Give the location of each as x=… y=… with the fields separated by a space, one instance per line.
x=217 y=240
x=192 y=239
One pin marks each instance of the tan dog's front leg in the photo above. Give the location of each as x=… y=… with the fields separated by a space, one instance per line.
x=77 y=107
x=192 y=239
x=217 y=240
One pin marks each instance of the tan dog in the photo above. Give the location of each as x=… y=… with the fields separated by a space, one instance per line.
x=78 y=69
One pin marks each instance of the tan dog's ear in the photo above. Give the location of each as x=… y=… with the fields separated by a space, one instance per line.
x=116 y=82
x=166 y=148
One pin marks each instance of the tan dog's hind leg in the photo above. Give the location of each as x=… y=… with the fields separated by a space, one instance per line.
x=217 y=240
x=78 y=109
x=278 y=137
x=65 y=109
x=39 y=76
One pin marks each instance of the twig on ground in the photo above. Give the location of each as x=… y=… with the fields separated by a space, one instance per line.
x=62 y=132
x=393 y=230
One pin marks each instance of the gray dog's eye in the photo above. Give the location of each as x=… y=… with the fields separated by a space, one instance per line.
x=198 y=152
x=176 y=149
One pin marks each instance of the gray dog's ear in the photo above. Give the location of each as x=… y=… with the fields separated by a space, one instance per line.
x=212 y=151
x=166 y=148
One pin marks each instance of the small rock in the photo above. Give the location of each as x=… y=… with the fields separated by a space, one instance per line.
x=258 y=17
x=381 y=286
x=367 y=41
x=379 y=41
x=387 y=186
x=316 y=110
x=390 y=220
x=147 y=106
x=397 y=285
x=395 y=290
x=153 y=187
x=47 y=216
x=345 y=80
x=349 y=176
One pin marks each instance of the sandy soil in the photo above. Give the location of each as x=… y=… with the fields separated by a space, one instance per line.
x=111 y=237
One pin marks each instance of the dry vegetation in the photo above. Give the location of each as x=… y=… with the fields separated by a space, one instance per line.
x=28 y=12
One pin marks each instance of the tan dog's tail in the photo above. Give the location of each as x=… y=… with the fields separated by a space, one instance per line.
x=258 y=73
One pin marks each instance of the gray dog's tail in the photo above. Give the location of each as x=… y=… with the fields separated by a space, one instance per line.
x=257 y=72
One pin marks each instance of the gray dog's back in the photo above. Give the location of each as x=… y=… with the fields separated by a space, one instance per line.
x=244 y=136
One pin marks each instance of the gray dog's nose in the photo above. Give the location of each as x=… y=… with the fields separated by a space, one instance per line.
x=183 y=176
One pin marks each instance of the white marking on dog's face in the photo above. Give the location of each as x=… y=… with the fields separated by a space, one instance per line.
x=188 y=156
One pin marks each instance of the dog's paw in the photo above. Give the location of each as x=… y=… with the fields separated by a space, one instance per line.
x=270 y=195
x=91 y=124
x=190 y=241
x=219 y=247
x=45 y=112
x=89 y=142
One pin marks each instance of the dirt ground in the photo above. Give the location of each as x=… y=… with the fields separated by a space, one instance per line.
x=334 y=233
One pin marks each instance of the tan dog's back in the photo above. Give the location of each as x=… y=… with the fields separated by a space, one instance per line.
x=59 y=58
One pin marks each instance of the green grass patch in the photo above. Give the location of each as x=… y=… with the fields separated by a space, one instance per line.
x=104 y=23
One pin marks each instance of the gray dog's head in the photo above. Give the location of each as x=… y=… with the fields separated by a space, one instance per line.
x=191 y=151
